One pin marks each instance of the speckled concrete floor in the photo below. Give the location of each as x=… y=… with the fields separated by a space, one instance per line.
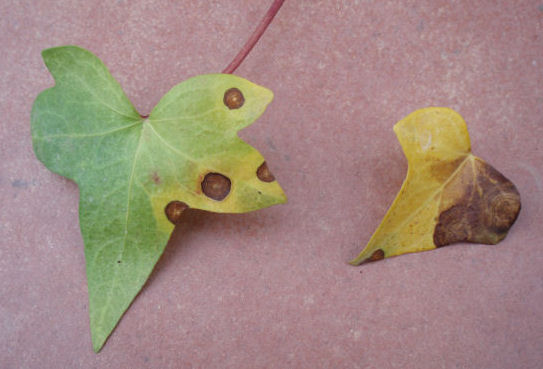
x=272 y=289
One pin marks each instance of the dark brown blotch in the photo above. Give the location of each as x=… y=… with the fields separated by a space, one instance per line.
x=377 y=255
x=263 y=173
x=174 y=210
x=485 y=212
x=233 y=98
x=452 y=226
x=503 y=211
x=502 y=201
x=216 y=186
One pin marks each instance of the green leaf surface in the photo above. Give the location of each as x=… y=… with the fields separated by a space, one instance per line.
x=129 y=168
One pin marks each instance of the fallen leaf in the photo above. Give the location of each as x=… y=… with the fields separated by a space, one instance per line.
x=448 y=196
x=136 y=175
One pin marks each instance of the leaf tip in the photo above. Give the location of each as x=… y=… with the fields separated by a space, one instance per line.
x=100 y=335
x=97 y=344
x=354 y=262
x=51 y=51
x=376 y=255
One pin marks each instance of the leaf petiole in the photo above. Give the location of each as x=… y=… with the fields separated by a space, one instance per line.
x=258 y=32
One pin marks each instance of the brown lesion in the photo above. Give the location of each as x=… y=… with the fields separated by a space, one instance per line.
x=263 y=173
x=233 y=98
x=156 y=178
x=478 y=205
x=174 y=210
x=216 y=186
x=377 y=255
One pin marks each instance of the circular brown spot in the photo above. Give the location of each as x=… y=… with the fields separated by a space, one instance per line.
x=174 y=210
x=377 y=255
x=216 y=186
x=233 y=98
x=502 y=210
x=263 y=173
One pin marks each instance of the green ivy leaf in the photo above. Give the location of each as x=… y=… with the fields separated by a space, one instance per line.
x=136 y=174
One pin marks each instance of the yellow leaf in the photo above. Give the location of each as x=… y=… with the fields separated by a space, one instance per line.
x=448 y=196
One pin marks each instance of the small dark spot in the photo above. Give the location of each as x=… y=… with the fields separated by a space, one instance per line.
x=174 y=210
x=118 y=261
x=540 y=7
x=233 y=98
x=377 y=255
x=155 y=177
x=216 y=186
x=263 y=173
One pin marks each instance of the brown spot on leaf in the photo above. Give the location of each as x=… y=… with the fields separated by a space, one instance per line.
x=155 y=177
x=216 y=186
x=502 y=201
x=174 y=210
x=377 y=255
x=263 y=173
x=233 y=98
x=502 y=211
x=484 y=206
x=452 y=227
